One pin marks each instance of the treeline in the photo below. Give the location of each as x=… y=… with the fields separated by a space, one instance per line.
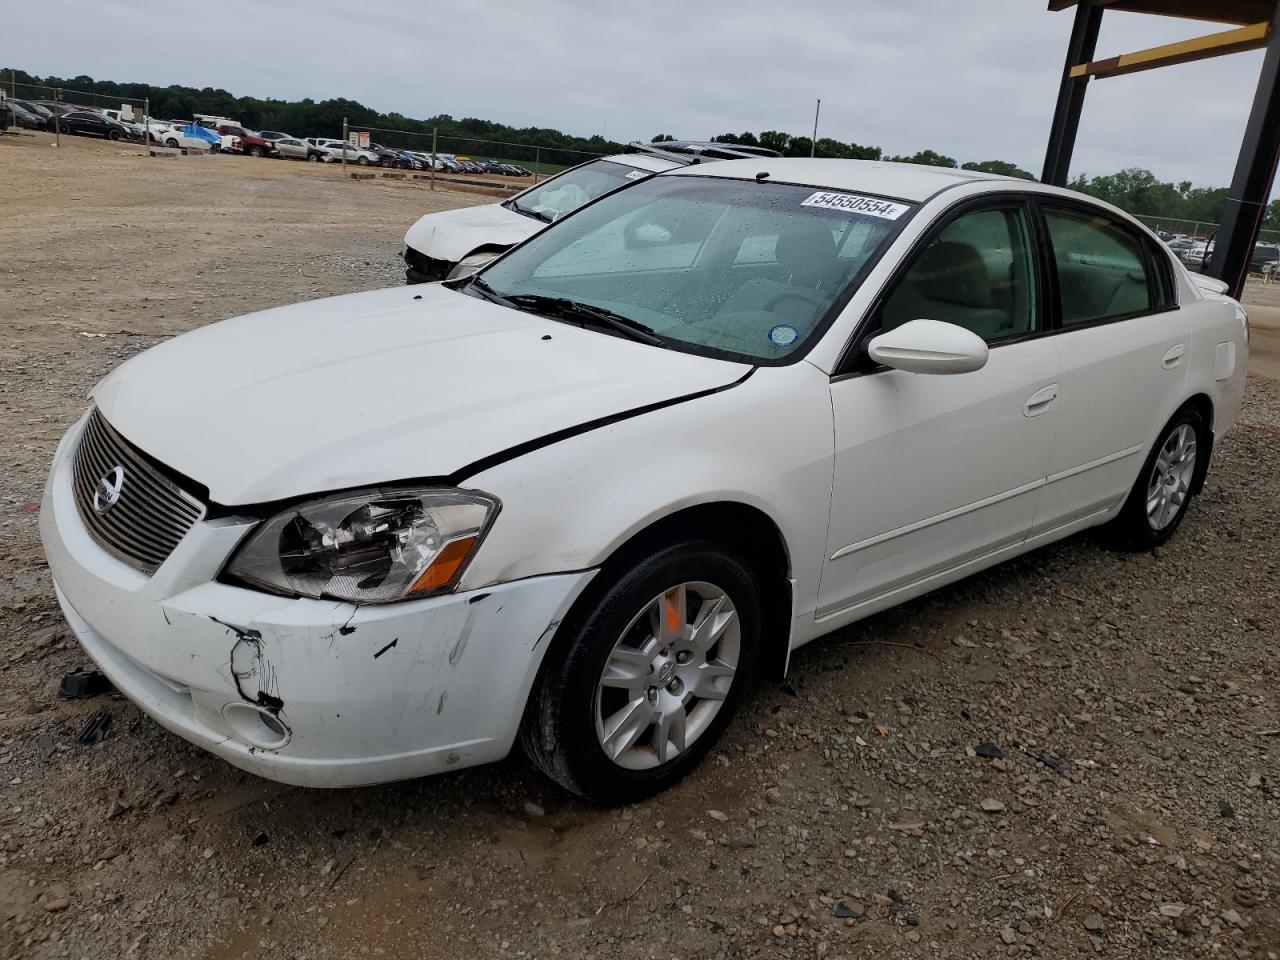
x=1135 y=190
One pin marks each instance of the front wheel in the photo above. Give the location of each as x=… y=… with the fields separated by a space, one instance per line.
x=113 y=134
x=646 y=673
x=255 y=151
x=1161 y=494
x=312 y=158
x=362 y=161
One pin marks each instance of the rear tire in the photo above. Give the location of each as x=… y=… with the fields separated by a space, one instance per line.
x=362 y=161
x=1164 y=488
x=215 y=148
x=312 y=158
x=646 y=672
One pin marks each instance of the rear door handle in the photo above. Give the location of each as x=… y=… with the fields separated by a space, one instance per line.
x=1174 y=356
x=1041 y=401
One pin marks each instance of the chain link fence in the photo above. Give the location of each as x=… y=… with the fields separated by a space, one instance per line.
x=1196 y=229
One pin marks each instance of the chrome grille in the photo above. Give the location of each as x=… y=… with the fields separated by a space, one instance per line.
x=151 y=515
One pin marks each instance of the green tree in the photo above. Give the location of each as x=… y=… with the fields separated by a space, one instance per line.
x=928 y=157
x=1001 y=167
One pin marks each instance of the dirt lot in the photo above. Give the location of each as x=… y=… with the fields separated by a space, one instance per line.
x=1076 y=753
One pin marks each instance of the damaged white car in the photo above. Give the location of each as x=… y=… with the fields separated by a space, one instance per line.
x=583 y=498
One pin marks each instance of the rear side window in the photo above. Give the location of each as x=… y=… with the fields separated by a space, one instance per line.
x=1102 y=269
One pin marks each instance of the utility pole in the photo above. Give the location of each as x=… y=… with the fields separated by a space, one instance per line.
x=434 y=143
x=813 y=144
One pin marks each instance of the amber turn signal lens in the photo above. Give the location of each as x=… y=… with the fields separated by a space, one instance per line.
x=444 y=566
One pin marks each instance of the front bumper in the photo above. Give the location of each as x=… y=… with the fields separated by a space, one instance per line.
x=423 y=269
x=309 y=692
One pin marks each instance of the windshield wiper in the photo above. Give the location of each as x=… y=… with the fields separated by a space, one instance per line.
x=586 y=314
x=477 y=284
x=528 y=212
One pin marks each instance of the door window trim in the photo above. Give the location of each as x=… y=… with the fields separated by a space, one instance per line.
x=853 y=361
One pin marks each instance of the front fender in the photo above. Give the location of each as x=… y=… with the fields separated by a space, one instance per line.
x=766 y=443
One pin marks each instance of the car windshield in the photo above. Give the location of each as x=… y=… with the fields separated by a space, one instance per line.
x=708 y=265
x=551 y=200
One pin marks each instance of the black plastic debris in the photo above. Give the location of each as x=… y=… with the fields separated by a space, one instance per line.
x=95 y=728
x=989 y=750
x=82 y=684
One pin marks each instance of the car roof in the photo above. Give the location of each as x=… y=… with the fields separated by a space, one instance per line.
x=914 y=182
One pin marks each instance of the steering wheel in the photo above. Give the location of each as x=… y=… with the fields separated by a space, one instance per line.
x=797 y=293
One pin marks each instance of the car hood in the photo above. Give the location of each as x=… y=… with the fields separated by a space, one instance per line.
x=373 y=388
x=452 y=234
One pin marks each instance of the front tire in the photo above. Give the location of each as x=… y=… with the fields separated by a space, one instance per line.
x=255 y=151
x=113 y=134
x=362 y=161
x=1164 y=488
x=646 y=672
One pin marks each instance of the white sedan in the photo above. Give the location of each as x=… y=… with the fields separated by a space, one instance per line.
x=454 y=243
x=586 y=497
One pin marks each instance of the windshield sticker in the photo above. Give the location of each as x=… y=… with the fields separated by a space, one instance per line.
x=637 y=174
x=852 y=203
x=783 y=335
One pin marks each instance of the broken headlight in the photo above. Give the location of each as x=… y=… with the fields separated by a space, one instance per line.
x=371 y=547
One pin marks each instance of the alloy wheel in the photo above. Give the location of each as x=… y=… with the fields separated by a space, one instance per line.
x=668 y=675
x=1170 y=480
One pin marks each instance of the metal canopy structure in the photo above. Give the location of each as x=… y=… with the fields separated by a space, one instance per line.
x=1255 y=25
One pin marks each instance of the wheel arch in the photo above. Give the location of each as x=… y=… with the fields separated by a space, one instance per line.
x=746 y=530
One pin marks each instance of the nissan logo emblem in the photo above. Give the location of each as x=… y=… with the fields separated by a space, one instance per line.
x=108 y=492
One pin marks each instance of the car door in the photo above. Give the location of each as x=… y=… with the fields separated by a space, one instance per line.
x=1124 y=347
x=934 y=473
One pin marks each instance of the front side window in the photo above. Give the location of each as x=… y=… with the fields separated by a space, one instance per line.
x=977 y=272
x=574 y=188
x=1102 y=271
x=721 y=266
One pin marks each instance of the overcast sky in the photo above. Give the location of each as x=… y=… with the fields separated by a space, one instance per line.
x=973 y=80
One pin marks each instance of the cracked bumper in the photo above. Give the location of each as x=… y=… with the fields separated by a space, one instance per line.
x=363 y=694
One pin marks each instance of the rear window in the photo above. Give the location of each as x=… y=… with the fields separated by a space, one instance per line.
x=1102 y=267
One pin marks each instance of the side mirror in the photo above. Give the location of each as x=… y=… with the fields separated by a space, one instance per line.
x=929 y=346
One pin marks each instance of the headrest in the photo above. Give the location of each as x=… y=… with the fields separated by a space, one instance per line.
x=954 y=273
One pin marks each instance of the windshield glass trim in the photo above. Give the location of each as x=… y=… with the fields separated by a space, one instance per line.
x=819 y=331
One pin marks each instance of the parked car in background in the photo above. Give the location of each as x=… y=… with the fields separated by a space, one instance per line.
x=90 y=124
x=274 y=135
x=453 y=243
x=294 y=149
x=1265 y=258
x=386 y=156
x=335 y=151
x=412 y=161
x=23 y=116
x=193 y=136
x=31 y=106
x=250 y=143
x=679 y=434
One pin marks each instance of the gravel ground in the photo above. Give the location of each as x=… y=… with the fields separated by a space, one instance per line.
x=1073 y=754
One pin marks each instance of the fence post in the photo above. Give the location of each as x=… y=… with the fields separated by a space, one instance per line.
x=434 y=144
x=146 y=125
x=344 y=148
x=537 y=162
x=57 y=118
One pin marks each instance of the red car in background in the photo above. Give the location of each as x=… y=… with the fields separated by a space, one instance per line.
x=250 y=142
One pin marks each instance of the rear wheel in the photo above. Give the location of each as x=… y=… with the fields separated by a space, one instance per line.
x=1162 y=493
x=171 y=142
x=215 y=148
x=646 y=673
x=362 y=161
x=313 y=158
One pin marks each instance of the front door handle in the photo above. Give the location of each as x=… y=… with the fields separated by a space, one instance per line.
x=1041 y=401
x=1174 y=356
